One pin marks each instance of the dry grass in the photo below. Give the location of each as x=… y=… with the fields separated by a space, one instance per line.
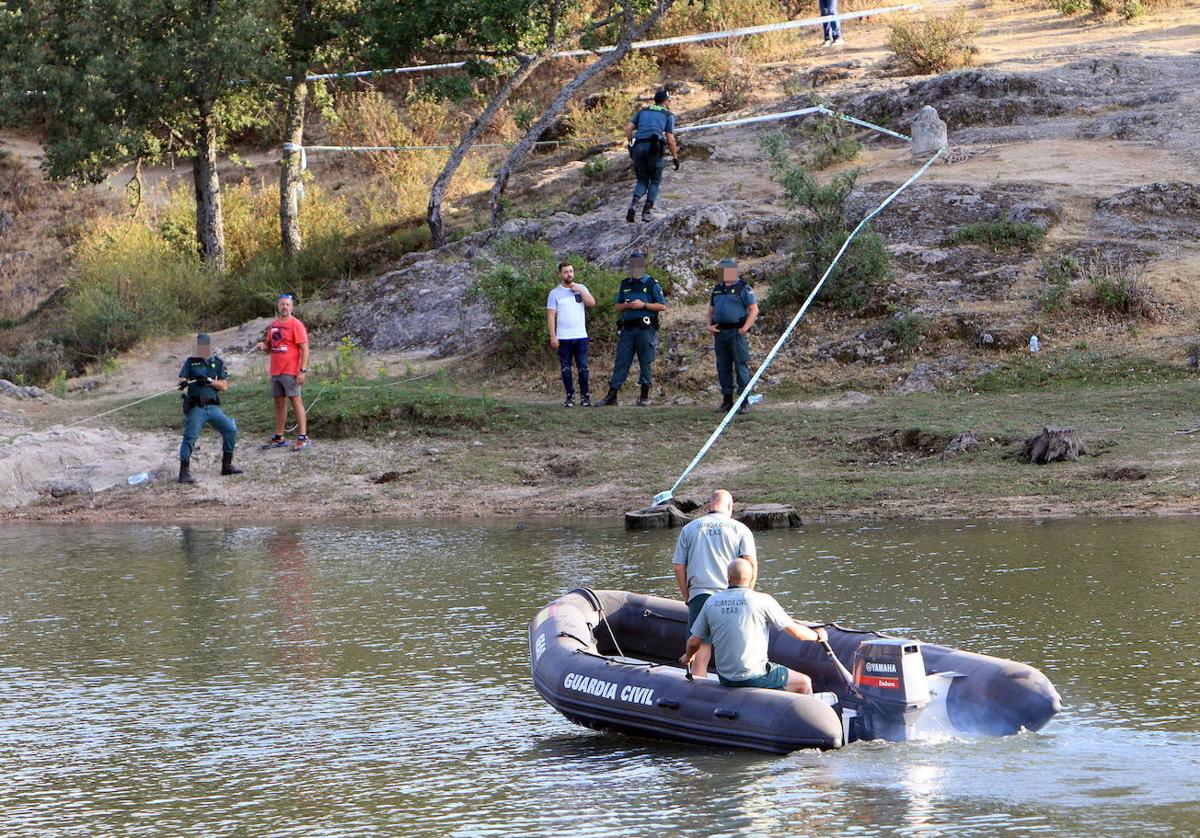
x=934 y=44
x=46 y=221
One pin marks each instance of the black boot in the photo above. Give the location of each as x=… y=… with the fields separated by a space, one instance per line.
x=726 y=403
x=227 y=466
x=644 y=398
x=745 y=408
x=185 y=472
x=631 y=215
x=610 y=399
x=646 y=210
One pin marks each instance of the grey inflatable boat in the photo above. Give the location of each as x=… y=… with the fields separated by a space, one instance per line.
x=609 y=660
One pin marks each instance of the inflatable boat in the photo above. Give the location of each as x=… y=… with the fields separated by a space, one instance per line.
x=609 y=660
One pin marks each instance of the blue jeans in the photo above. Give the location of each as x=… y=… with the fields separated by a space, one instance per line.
x=833 y=29
x=648 y=169
x=195 y=420
x=575 y=350
x=642 y=342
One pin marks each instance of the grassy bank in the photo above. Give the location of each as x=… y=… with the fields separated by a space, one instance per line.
x=883 y=458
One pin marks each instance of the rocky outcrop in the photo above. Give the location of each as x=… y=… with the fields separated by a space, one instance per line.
x=1159 y=211
x=428 y=305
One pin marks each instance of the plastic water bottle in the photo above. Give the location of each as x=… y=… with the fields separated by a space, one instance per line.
x=754 y=398
x=139 y=478
x=1034 y=346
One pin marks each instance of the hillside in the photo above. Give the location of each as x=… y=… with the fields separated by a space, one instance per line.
x=1086 y=131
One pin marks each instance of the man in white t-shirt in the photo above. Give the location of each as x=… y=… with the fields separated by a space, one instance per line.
x=565 y=318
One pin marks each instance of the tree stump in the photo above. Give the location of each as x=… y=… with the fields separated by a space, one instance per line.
x=1051 y=445
x=665 y=516
x=964 y=443
x=769 y=516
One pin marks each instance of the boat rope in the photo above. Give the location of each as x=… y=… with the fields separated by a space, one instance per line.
x=663 y=497
x=604 y=619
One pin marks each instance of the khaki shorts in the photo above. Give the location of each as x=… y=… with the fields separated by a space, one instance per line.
x=284 y=385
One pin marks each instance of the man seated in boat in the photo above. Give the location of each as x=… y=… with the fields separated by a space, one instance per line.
x=703 y=553
x=737 y=623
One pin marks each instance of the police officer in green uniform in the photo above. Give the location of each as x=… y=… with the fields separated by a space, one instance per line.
x=639 y=302
x=649 y=133
x=203 y=378
x=731 y=315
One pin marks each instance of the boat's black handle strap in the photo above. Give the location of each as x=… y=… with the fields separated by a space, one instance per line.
x=568 y=634
x=657 y=616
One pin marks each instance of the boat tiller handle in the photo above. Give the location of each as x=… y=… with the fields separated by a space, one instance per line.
x=845 y=673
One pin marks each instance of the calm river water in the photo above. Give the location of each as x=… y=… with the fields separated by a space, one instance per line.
x=372 y=679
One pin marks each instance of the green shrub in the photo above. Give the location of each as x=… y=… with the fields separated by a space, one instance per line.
x=1117 y=289
x=998 y=234
x=38 y=361
x=517 y=289
x=1059 y=275
x=905 y=329
x=142 y=277
x=934 y=44
x=1071 y=7
x=857 y=281
x=595 y=167
x=828 y=143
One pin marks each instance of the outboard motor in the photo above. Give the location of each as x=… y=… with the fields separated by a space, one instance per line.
x=889 y=673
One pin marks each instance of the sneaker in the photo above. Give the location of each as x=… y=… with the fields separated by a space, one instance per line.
x=631 y=215
x=302 y=442
x=585 y=402
x=569 y=401
x=838 y=42
x=827 y=43
x=276 y=442
x=647 y=212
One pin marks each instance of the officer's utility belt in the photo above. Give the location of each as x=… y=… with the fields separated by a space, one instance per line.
x=657 y=144
x=198 y=401
x=646 y=321
x=724 y=327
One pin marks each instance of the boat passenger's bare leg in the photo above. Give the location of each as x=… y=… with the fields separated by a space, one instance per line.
x=798 y=682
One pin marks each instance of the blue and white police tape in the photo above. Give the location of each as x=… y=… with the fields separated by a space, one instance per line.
x=660 y=42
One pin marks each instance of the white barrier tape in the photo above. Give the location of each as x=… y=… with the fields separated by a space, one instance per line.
x=661 y=42
x=749 y=120
x=787 y=333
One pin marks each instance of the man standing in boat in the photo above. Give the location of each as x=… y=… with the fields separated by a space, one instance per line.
x=737 y=623
x=703 y=554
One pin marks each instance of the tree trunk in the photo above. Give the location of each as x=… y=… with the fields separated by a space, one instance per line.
x=434 y=211
x=629 y=33
x=291 y=172
x=210 y=224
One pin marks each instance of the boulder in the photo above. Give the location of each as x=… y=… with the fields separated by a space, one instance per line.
x=928 y=133
x=964 y=443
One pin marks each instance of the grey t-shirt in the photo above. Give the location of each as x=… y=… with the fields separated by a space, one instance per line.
x=707 y=546
x=736 y=622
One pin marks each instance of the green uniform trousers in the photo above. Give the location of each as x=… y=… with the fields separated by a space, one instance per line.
x=733 y=357
x=642 y=342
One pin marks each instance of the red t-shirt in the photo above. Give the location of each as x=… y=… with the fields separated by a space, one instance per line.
x=284 y=338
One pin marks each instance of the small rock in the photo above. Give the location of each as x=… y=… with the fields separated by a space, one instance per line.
x=6 y=221
x=920 y=380
x=964 y=443
x=64 y=488
x=928 y=133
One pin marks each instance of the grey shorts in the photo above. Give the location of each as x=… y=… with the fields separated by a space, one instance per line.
x=284 y=385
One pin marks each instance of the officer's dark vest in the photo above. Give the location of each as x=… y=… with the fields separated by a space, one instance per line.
x=737 y=288
x=633 y=319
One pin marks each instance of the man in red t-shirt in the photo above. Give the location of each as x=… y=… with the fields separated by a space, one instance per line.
x=287 y=341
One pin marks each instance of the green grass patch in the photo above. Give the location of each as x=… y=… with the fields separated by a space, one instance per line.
x=340 y=410
x=1075 y=369
x=999 y=234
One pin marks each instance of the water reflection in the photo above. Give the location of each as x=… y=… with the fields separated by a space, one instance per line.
x=345 y=678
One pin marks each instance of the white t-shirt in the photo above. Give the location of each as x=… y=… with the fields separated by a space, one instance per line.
x=570 y=322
